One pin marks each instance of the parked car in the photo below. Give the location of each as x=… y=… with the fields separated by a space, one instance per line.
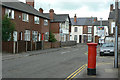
x=107 y=49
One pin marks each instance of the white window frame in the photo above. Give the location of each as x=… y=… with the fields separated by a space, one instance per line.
x=89 y=29
x=76 y=37
x=36 y=20
x=25 y=17
x=89 y=37
x=45 y=22
x=14 y=35
x=75 y=29
x=27 y=35
x=34 y=35
x=39 y=36
x=8 y=11
x=46 y=36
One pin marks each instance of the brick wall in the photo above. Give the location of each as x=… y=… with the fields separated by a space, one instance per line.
x=47 y=45
x=55 y=27
x=21 y=46
x=7 y=46
x=21 y=26
x=55 y=45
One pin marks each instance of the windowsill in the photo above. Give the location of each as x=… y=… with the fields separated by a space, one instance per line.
x=25 y=21
x=37 y=23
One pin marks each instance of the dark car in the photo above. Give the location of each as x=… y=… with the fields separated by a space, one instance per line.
x=107 y=49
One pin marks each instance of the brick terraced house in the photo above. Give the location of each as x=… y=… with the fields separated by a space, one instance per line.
x=60 y=25
x=111 y=20
x=30 y=24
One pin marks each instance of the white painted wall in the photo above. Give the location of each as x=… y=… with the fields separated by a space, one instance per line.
x=73 y=33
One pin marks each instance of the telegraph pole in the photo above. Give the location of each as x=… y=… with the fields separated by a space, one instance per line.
x=116 y=35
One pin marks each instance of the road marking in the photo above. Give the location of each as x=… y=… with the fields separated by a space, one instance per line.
x=76 y=72
x=86 y=53
x=65 y=52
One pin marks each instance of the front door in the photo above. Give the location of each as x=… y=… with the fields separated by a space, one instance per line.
x=80 y=38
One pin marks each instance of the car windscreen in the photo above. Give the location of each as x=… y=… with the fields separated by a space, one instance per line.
x=108 y=45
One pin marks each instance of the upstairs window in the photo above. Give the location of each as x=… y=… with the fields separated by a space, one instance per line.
x=25 y=17
x=36 y=20
x=75 y=29
x=45 y=22
x=9 y=13
x=89 y=29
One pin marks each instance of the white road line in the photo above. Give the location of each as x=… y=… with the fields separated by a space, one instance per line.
x=65 y=52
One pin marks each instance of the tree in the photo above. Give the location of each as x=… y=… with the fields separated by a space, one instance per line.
x=7 y=28
x=52 y=37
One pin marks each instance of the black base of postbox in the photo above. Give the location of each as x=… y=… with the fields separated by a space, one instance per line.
x=91 y=71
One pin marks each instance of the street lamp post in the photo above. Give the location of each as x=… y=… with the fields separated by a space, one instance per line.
x=116 y=35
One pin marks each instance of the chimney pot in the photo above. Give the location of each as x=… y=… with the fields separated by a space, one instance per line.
x=30 y=2
x=41 y=10
x=75 y=18
x=111 y=7
x=51 y=12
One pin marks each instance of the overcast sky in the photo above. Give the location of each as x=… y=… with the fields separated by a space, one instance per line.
x=83 y=8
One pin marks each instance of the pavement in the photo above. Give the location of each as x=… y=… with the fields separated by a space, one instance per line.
x=58 y=63
x=8 y=56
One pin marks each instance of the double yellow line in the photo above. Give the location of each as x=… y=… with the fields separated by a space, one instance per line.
x=71 y=76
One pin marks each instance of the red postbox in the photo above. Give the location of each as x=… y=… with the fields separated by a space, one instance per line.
x=92 y=52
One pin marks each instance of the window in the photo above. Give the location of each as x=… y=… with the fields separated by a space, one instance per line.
x=34 y=35
x=27 y=35
x=89 y=37
x=75 y=37
x=75 y=29
x=89 y=29
x=25 y=17
x=20 y=36
x=9 y=13
x=45 y=22
x=39 y=37
x=15 y=35
x=46 y=36
x=36 y=20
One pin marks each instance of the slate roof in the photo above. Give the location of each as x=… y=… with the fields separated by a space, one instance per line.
x=104 y=23
x=112 y=15
x=23 y=7
x=83 y=21
x=58 y=17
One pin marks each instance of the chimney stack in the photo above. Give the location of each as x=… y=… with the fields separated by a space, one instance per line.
x=41 y=10
x=51 y=11
x=75 y=18
x=30 y=2
x=111 y=7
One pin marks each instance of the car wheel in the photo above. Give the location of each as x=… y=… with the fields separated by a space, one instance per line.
x=112 y=54
x=101 y=54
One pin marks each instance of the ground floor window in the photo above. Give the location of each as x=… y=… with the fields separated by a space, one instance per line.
x=89 y=37
x=75 y=37
x=39 y=37
x=46 y=36
x=27 y=35
x=15 y=36
x=34 y=35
